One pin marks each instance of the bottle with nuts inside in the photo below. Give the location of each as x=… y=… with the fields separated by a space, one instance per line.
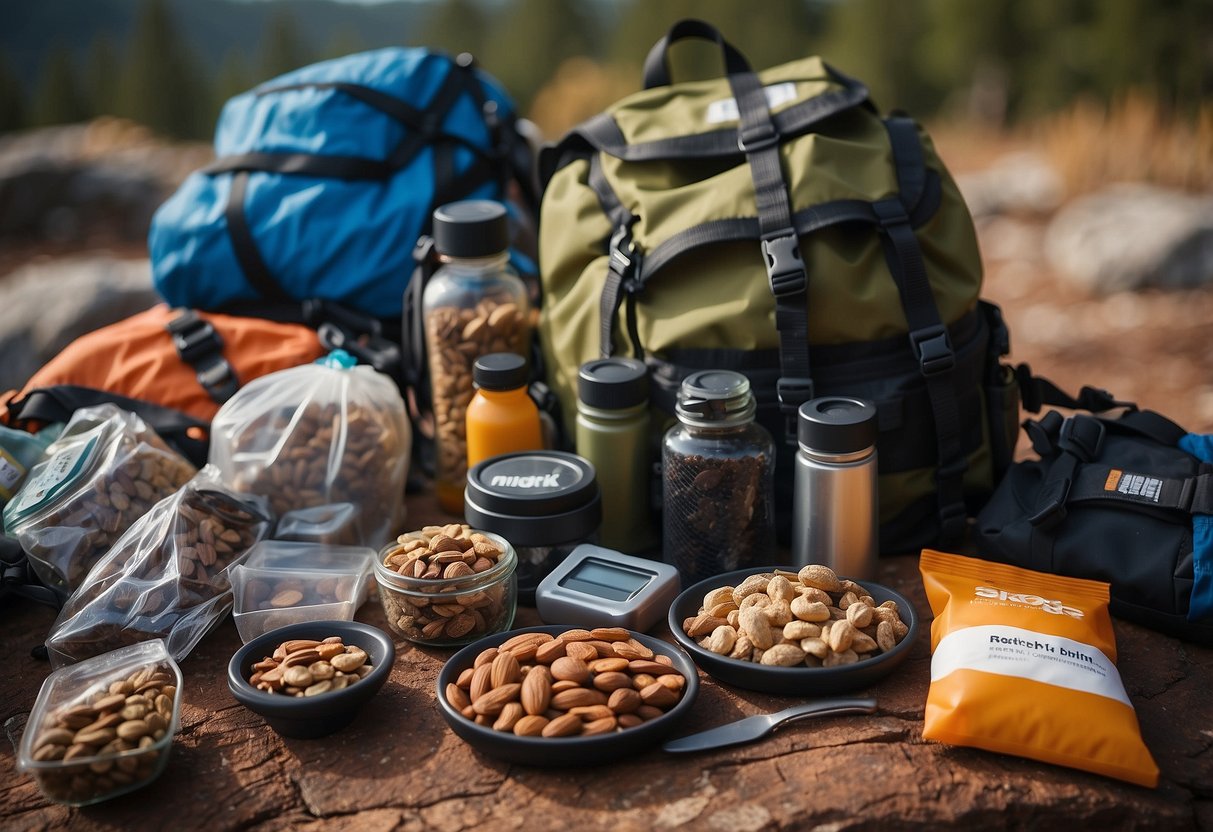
x=717 y=479
x=475 y=304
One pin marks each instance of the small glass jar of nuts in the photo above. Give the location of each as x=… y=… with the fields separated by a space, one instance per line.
x=448 y=585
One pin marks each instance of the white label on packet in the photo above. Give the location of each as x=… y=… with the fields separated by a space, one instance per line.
x=1027 y=654
x=726 y=108
x=11 y=474
x=57 y=470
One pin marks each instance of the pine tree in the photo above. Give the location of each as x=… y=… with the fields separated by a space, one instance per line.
x=13 y=111
x=58 y=99
x=160 y=86
x=101 y=76
x=282 y=48
x=457 y=26
x=539 y=36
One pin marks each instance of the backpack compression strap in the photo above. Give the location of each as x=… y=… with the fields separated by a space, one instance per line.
x=928 y=335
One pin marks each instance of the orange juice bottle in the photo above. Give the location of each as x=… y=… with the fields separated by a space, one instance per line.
x=501 y=418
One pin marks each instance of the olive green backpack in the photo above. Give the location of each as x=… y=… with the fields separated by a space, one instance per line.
x=775 y=224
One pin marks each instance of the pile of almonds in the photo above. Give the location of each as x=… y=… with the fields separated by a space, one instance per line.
x=448 y=552
x=460 y=605
x=305 y=667
x=129 y=714
x=786 y=619
x=579 y=683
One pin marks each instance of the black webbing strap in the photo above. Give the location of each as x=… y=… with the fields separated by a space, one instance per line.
x=200 y=346
x=18 y=578
x=759 y=140
x=623 y=263
x=245 y=247
x=603 y=134
x=303 y=164
x=928 y=336
x=57 y=404
x=1123 y=487
x=1036 y=392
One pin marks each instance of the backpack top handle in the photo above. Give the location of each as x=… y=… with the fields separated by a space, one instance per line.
x=657 y=64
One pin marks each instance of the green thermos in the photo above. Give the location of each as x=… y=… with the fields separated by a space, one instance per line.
x=613 y=434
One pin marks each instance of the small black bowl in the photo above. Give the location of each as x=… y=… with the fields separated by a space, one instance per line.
x=314 y=716
x=789 y=681
x=564 y=751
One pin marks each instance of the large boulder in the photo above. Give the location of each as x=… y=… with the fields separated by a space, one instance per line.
x=44 y=306
x=1018 y=183
x=87 y=183
x=1130 y=236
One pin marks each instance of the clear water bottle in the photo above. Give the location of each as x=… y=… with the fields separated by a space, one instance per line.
x=474 y=304
x=717 y=479
x=835 y=517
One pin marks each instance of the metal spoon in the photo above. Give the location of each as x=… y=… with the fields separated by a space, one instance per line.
x=756 y=727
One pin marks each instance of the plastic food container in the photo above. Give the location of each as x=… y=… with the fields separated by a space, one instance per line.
x=266 y=599
x=69 y=704
x=546 y=502
x=449 y=612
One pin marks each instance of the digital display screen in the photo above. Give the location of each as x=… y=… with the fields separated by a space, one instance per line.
x=604 y=579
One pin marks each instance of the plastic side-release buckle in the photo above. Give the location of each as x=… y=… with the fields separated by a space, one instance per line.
x=193 y=337
x=933 y=349
x=1082 y=436
x=785 y=268
x=1052 y=505
x=757 y=137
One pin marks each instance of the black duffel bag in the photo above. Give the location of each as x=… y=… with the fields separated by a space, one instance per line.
x=1113 y=500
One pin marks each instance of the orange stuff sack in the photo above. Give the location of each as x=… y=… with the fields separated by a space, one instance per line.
x=172 y=367
x=1024 y=663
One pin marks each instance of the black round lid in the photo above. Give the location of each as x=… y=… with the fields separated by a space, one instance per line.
x=613 y=383
x=471 y=228
x=534 y=498
x=837 y=425
x=500 y=371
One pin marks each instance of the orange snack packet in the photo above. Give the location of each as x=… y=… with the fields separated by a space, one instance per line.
x=1024 y=663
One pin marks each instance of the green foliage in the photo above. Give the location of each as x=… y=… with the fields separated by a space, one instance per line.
x=12 y=99
x=995 y=60
x=59 y=99
x=160 y=85
x=282 y=50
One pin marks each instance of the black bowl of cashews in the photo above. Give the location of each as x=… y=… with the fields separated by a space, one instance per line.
x=790 y=632
x=310 y=679
x=566 y=696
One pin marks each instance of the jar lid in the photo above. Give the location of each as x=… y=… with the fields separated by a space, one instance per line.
x=471 y=228
x=500 y=371
x=534 y=498
x=837 y=425
x=613 y=383
x=715 y=398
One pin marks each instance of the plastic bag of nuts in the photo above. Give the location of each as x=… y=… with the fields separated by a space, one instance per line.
x=319 y=435
x=167 y=577
x=578 y=683
x=785 y=619
x=447 y=585
x=103 y=473
x=103 y=727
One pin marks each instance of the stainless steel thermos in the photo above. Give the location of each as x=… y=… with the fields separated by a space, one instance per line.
x=835 y=516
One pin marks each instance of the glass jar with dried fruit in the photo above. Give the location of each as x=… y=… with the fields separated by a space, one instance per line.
x=474 y=304
x=717 y=479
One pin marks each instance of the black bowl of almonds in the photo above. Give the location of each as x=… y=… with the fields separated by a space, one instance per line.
x=804 y=632
x=311 y=679
x=560 y=696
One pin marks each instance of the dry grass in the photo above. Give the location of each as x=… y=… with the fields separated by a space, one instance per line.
x=1133 y=140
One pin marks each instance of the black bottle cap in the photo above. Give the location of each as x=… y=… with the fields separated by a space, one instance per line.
x=534 y=498
x=500 y=371
x=837 y=425
x=613 y=383
x=471 y=228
